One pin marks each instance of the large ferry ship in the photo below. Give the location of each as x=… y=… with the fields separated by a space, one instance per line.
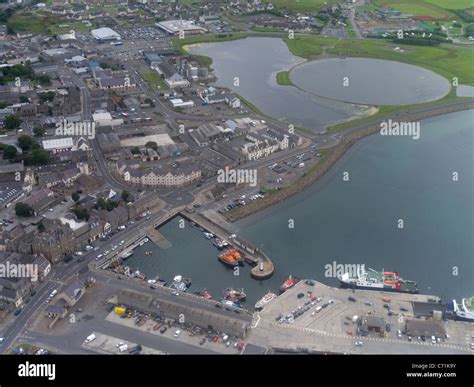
x=465 y=311
x=386 y=281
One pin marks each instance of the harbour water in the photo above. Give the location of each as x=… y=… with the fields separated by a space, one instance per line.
x=255 y=63
x=356 y=221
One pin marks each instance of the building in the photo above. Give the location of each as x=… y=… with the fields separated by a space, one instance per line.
x=58 y=145
x=106 y=119
x=236 y=324
x=176 y=80
x=42 y=199
x=367 y=324
x=175 y=27
x=425 y=328
x=163 y=175
x=104 y=34
x=9 y=193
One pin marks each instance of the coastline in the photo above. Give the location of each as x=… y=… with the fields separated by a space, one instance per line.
x=336 y=153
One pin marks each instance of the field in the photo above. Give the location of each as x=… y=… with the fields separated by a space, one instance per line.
x=448 y=61
x=452 y=4
x=153 y=79
x=299 y=5
x=283 y=78
x=40 y=23
x=416 y=8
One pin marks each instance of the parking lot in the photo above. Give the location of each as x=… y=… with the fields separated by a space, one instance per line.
x=337 y=312
x=215 y=341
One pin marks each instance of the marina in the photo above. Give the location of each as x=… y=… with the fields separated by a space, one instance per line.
x=195 y=256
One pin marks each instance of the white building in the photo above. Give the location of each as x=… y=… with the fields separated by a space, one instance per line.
x=105 y=33
x=177 y=80
x=106 y=119
x=174 y=27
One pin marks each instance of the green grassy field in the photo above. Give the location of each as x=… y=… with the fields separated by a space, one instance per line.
x=448 y=61
x=41 y=23
x=283 y=78
x=299 y=5
x=153 y=79
x=452 y=4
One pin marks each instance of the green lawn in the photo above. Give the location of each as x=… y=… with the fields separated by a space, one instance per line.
x=416 y=8
x=300 y=5
x=283 y=78
x=153 y=79
x=452 y=4
x=42 y=23
x=448 y=61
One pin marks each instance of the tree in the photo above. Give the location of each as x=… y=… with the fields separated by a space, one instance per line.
x=24 y=99
x=39 y=131
x=12 y=122
x=41 y=226
x=152 y=144
x=37 y=157
x=25 y=142
x=81 y=213
x=135 y=150
x=126 y=196
x=75 y=196
x=23 y=209
x=9 y=152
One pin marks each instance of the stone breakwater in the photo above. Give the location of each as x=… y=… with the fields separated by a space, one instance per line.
x=335 y=153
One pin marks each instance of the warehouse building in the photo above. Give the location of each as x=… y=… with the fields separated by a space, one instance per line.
x=173 y=27
x=104 y=34
x=237 y=325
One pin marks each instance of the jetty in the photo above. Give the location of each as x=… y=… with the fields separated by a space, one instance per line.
x=262 y=265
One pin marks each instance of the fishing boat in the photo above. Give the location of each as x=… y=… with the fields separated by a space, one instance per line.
x=127 y=255
x=220 y=244
x=180 y=283
x=288 y=283
x=230 y=303
x=203 y=293
x=148 y=252
x=236 y=254
x=235 y=295
x=228 y=259
x=265 y=300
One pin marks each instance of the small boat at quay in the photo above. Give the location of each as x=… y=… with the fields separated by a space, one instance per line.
x=265 y=300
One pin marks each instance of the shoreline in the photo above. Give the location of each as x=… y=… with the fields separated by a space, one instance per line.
x=337 y=152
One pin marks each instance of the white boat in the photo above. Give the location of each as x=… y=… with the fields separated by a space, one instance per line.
x=265 y=300
x=208 y=235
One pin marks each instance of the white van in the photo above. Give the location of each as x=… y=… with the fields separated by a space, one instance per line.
x=90 y=338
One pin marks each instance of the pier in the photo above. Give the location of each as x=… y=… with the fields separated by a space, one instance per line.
x=262 y=265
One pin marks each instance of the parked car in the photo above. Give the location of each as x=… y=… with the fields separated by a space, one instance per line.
x=163 y=330
x=352 y=299
x=388 y=327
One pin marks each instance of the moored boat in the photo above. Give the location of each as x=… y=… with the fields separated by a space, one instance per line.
x=289 y=283
x=265 y=300
x=204 y=294
x=208 y=235
x=127 y=255
x=465 y=312
x=230 y=303
x=235 y=295
x=371 y=279
x=228 y=259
